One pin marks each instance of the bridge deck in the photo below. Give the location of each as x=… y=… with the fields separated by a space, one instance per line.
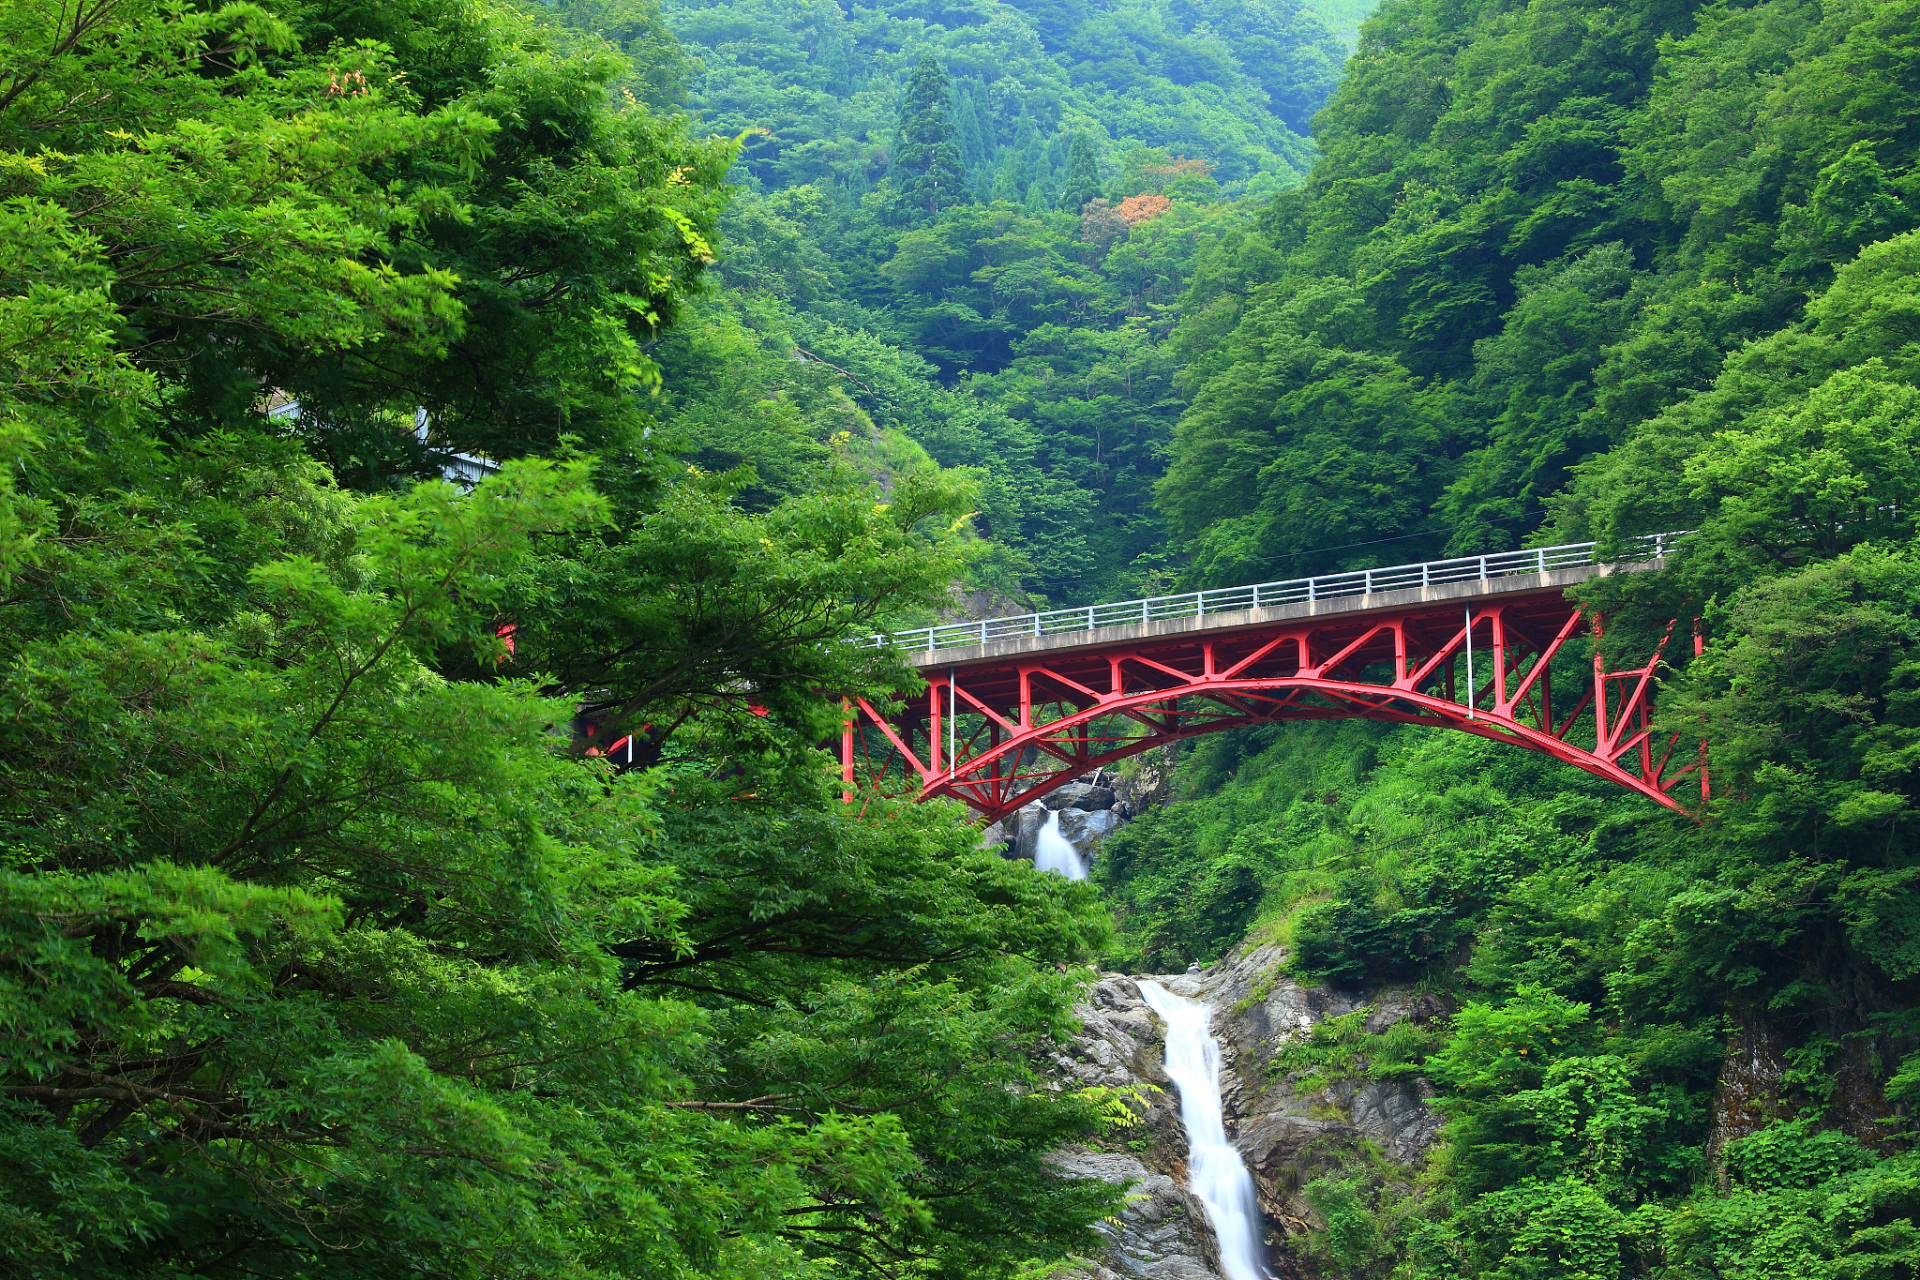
x=1139 y=636
x=1263 y=604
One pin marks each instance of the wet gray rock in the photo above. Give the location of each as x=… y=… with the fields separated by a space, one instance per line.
x=1087 y=830
x=1394 y=1113
x=1161 y=1234
x=1118 y=1043
x=1287 y=1137
x=1147 y=784
x=1080 y=794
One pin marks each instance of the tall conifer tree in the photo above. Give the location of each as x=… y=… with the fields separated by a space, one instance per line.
x=928 y=174
x=1083 y=175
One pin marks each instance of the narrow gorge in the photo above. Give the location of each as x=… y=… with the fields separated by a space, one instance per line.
x=1286 y=1126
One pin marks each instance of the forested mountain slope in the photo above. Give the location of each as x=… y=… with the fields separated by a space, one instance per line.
x=918 y=224
x=1236 y=81
x=1566 y=270
x=1531 y=230
x=334 y=944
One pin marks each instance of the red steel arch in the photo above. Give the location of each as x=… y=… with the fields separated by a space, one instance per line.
x=996 y=730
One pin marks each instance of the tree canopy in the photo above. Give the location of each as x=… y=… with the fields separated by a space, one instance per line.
x=403 y=876
x=335 y=942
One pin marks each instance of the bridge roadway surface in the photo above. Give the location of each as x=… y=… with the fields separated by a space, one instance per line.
x=1017 y=706
x=1334 y=615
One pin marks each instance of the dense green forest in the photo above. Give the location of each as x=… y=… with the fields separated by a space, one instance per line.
x=1566 y=271
x=916 y=222
x=335 y=947
x=328 y=950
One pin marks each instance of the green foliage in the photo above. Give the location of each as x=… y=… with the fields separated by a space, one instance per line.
x=1793 y=1155
x=322 y=953
x=1524 y=1103
x=1083 y=175
x=1804 y=1202
x=658 y=67
x=1233 y=81
x=1303 y=441
x=1061 y=419
x=926 y=164
x=1551 y=226
x=1352 y=1240
x=1350 y=939
x=1531 y=1231
x=1566 y=272
x=1341 y=1048
x=906 y=167
x=327 y=952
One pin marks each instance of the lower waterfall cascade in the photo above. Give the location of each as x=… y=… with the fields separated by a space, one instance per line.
x=1215 y=1170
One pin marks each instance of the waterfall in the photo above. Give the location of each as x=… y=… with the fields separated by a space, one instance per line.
x=1214 y=1168
x=1054 y=852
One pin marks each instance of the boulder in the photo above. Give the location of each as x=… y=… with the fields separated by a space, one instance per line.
x=1097 y=798
x=1081 y=795
x=1065 y=796
x=1087 y=830
x=1160 y=1234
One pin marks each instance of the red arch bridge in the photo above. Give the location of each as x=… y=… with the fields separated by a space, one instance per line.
x=1015 y=707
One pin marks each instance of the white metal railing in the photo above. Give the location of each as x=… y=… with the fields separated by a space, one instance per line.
x=1326 y=586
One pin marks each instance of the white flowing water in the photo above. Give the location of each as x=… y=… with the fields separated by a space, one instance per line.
x=1054 y=852
x=1214 y=1168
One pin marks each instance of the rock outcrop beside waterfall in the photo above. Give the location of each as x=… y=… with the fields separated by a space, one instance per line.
x=1287 y=1137
x=1090 y=808
x=1163 y=1233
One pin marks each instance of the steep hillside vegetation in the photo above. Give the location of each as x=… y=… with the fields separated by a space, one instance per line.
x=1531 y=230
x=1569 y=271
x=974 y=226
x=337 y=944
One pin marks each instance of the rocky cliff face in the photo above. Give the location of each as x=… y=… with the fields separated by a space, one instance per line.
x=1287 y=1137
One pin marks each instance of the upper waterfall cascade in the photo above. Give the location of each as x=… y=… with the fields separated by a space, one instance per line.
x=1052 y=851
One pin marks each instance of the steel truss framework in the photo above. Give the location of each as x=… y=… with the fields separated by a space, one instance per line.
x=996 y=734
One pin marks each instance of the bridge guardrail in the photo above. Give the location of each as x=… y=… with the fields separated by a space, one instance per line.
x=1326 y=586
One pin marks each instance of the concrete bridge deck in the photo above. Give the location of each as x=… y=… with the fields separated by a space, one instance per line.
x=1223 y=610
x=1339 y=608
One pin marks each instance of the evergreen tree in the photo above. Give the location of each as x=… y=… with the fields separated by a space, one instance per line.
x=982 y=108
x=1083 y=175
x=973 y=126
x=1023 y=162
x=928 y=175
x=1056 y=160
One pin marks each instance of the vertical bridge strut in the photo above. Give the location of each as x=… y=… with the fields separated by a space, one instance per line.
x=1002 y=723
